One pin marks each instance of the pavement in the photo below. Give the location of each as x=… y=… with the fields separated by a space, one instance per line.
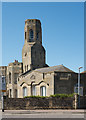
x=61 y=113
x=78 y=111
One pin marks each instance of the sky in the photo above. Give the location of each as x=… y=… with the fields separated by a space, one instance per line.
x=62 y=31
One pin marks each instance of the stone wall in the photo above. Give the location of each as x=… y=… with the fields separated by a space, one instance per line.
x=44 y=103
x=38 y=103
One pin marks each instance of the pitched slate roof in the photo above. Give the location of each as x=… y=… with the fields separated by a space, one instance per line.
x=58 y=68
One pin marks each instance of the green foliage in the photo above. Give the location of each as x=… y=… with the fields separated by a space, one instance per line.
x=35 y=96
x=62 y=95
x=56 y=95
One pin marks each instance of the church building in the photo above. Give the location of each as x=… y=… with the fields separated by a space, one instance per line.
x=32 y=76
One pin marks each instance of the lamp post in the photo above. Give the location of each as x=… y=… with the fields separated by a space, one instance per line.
x=79 y=85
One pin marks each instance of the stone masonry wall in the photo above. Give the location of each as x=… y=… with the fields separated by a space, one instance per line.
x=45 y=103
x=38 y=103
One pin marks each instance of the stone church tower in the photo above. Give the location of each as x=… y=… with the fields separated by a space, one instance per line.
x=33 y=53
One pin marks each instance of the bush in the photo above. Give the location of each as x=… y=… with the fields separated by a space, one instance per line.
x=56 y=95
x=35 y=96
x=62 y=95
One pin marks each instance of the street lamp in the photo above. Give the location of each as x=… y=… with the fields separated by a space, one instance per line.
x=79 y=85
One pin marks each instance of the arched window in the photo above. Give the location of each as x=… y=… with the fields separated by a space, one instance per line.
x=31 y=34
x=24 y=91
x=43 y=91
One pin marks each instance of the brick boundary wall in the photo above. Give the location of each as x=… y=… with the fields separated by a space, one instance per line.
x=43 y=103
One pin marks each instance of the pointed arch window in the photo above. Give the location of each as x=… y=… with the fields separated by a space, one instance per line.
x=31 y=34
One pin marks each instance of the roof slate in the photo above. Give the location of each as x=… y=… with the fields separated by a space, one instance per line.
x=58 y=68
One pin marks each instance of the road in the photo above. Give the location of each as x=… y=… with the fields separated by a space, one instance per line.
x=78 y=114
